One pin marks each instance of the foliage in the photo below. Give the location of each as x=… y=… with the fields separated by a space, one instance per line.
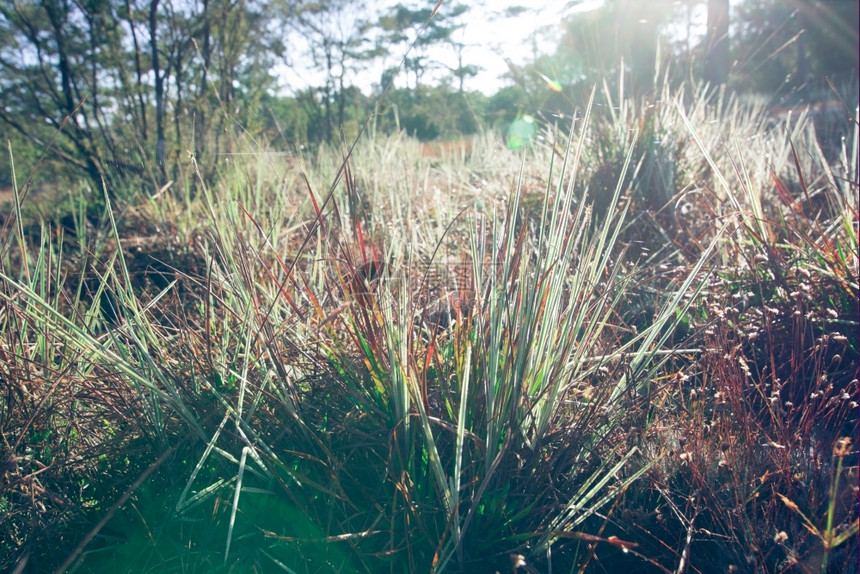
x=431 y=113
x=414 y=32
x=598 y=43
x=141 y=85
x=394 y=361
x=631 y=343
x=118 y=109
x=788 y=49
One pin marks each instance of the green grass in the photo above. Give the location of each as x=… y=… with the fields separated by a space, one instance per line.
x=633 y=345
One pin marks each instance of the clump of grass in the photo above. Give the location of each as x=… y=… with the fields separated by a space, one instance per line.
x=398 y=440
x=776 y=389
x=367 y=359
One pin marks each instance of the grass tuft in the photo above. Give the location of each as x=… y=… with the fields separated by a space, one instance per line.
x=632 y=345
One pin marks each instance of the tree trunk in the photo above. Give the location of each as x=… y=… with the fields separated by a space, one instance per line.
x=138 y=70
x=801 y=72
x=717 y=43
x=201 y=112
x=159 y=80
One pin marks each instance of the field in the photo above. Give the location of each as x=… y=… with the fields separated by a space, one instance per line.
x=629 y=347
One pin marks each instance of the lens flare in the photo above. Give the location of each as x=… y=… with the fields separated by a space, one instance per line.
x=522 y=132
x=553 y=85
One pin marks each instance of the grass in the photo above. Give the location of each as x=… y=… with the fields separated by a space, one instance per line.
x=633 y=345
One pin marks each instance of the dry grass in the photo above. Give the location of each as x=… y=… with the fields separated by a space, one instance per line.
x=636 y=349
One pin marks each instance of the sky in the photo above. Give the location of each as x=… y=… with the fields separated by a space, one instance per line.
x=495 y=39
x=492 y=40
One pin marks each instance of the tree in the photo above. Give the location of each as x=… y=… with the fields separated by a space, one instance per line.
x=786 y=46
x=336 y=34
x=51 y=76
x=462 y=70
x=414 y=31
x=108 y=75
x=717 y=42
x=594 y=44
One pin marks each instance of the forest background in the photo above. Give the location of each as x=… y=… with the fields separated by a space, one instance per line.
x=129 y=88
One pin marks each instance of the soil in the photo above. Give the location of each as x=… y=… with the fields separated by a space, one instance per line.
x=6 y=195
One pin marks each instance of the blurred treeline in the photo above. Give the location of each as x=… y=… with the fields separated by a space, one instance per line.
x=137 y=87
